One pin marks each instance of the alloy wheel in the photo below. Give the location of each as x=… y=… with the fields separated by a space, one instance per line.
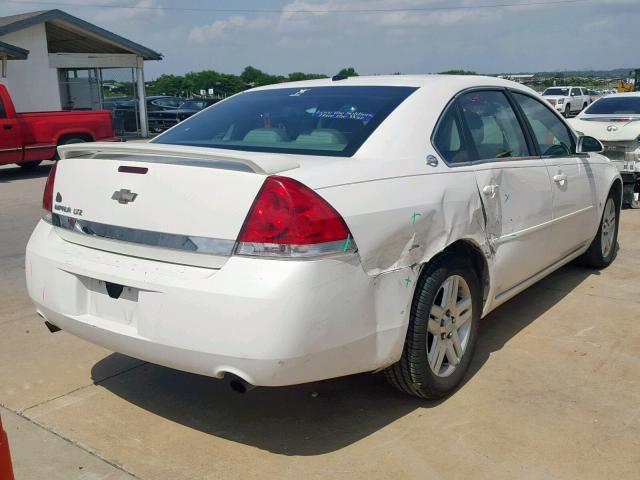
x=608 y=227
x=449 y=326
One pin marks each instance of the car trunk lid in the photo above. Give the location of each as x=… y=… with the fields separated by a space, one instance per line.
x=175 y=204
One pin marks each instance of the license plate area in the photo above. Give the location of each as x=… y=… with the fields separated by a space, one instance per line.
x=113 y=302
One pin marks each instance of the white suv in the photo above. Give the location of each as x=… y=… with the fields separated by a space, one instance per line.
x=567 y=100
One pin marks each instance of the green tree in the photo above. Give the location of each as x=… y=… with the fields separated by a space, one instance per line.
x=348 y=72
x=254 y=77
x=298 y=76
x=458 y=72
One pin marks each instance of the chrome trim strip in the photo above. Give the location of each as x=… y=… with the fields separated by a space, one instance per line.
x=7 y=150
x=40 y=147
x=189 y=243
x=535 y=228
x=540 y=273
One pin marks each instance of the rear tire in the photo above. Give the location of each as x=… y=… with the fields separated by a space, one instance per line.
x=30 y=165
x=443 y=329
x=68 y=141
x=604 y=247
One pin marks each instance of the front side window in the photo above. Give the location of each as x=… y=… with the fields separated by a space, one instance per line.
x=166 y=102
x=3 y=112
x=493 y=124
x=552 y=135
x=333 y=120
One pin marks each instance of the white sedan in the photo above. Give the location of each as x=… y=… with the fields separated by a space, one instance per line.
x=304 y=231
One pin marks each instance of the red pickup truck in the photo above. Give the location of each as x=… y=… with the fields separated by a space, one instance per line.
x=29 y=138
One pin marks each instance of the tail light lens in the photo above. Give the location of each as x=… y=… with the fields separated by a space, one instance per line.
x=47 y=196
x=288 y=219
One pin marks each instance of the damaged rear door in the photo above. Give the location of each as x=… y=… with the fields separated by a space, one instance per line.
x=514 y=187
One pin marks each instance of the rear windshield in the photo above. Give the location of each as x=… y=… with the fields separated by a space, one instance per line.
x=615 y=106
x=556 y=91
x=313 y=121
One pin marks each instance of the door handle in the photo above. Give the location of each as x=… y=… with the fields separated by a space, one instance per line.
x=490 y=190
x=560 y=178
x=7 y=126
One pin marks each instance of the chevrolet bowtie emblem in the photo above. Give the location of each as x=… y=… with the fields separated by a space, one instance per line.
x=123 y=196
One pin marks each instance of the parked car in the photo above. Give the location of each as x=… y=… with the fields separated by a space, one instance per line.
x=126 y=116
x=29 y=138
x=615 y=121
x=593 y=95
x=161 y=120
x=298 y=232
x=567 y=100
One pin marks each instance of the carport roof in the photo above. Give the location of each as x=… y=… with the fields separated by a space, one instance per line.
x=57 y=17
x=11 y=52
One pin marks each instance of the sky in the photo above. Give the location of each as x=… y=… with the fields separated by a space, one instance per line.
x=407 y=36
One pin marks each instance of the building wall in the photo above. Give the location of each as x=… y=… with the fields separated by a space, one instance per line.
x=33 y=85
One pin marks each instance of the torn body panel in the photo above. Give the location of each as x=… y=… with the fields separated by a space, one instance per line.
x=417 y=217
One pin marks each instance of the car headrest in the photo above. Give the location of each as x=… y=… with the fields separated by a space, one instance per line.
x=324 y=136
x=265 y=135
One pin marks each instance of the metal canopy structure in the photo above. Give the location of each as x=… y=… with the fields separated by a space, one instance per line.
x=71 y=34
x=10 y=52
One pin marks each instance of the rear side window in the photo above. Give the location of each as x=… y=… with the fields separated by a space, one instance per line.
x=552 y=135
x=493 y=125
x=333 y=120
x=3 y=112
x=448 y=139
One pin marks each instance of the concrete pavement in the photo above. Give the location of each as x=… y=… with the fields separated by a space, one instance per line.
x=554 y=393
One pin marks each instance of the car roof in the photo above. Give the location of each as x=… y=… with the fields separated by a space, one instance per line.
x=625 y=94
x=459 y=81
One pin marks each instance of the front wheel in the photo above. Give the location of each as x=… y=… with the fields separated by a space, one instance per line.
x=604 y=247
x=442 y=333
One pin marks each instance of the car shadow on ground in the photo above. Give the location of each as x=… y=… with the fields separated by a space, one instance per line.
x=16 y=173
x=320 y=417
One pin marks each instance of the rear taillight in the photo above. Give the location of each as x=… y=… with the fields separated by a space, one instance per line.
x=289 y=219
x=47 y=196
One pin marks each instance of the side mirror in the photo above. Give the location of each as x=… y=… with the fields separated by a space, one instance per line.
x=589 y=145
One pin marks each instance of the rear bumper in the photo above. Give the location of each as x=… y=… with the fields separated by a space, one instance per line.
x=270 y=322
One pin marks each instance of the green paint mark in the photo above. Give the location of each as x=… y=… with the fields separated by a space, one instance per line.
x=506 y=197
x=415 y=216
x=346 y=243
x=407 y=281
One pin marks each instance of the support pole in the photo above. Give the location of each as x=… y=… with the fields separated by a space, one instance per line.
x=142 y=102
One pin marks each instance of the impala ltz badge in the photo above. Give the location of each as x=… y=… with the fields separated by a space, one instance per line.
x=124 y=196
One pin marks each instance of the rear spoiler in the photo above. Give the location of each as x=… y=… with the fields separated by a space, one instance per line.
x=261 y=163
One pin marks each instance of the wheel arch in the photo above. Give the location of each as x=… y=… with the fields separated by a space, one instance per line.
x=471 y=251
x=617 y=187
x=68 y=136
